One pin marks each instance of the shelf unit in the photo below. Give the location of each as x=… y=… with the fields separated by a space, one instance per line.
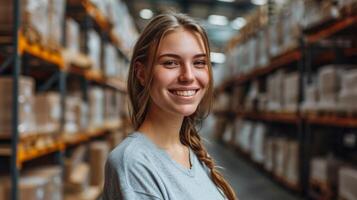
x=17 y=150
x=304 y=122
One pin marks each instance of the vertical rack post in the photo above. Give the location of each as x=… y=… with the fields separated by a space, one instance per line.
x=15 y=104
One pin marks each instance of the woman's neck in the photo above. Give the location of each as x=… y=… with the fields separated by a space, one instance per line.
x=162 y=128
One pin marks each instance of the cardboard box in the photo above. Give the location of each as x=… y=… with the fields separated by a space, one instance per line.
x=258 y=140
x=47 y=112
x=94 y=49
x=347 y=182
x=291 y=92
x=98 y=153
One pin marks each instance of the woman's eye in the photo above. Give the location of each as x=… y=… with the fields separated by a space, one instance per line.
x=171 y=63
x=200 y=63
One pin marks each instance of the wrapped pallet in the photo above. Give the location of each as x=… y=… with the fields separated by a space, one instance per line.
x=347 y=96
x=56 y=9
x=347 y=181
x=311 y=98
x=291 y=92
x=325 y=170
x=245 y=136
x=281 y=156
x=94 y=49
x=96 y=107
x=78 y=180
x=275 y=91
x=228 y=133
x=110 y=61
x=26 y=123
x=29 y=187
x=292 y=163
x=47 y=112
x=258 y=143
x=269 y=154
x=328 y=85
x=72 y=114
x=54 y=176
x=34 y=19
x=98 y=153
x=72 y=36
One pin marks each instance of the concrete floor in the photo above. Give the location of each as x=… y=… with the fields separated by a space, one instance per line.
x=248 y=182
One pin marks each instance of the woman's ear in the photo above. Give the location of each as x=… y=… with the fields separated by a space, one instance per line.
x=140 y=72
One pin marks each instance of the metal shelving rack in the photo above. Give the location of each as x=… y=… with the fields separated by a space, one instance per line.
x=301 y=55
x=23 y=49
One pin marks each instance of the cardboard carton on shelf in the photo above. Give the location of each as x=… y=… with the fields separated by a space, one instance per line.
x=291 y=92
x=347 y=181
x=325 y=170
x=258 y=140
x=56 y=10
x=347 y=96
x=328 y=86
x=292 y=163
x=34 y=19
x=94 y=49
x=25 y=99
x=54 y=176
x=311 y=98
x=47 y=112
x=98 y=152
x=269 y=155
x=281 y=156
x=30 y=188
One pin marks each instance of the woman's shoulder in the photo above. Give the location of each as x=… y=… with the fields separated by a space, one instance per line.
x=131 y=150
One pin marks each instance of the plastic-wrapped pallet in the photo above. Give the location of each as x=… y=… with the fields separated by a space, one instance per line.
x=96 y=107
x=325 y=170
x=263 y=48
x=78 y=180
x=245 y=136
x=29 y=187
x=251 y=99
x=258 y=143
x=317 y=11
x=56 y=9
x=110 y=61
x=269 y=154
x=98 y=152
x=292 y=163
x=347 y=182
x=311 y=98
x=238 y=124
x=347 y=96
x=275 y=91
x=26 y=99
x=72 y=124
x=54 y=175
x=328 y=85
x=94 y=48
x=47 y=112
x=72 y=35
x=34 y=18
x=228 y=133
x=291 y=92
x=281 y=156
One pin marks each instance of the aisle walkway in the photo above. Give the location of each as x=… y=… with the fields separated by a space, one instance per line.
x=248 y=183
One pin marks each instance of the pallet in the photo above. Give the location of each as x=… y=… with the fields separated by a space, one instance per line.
x=323 y=190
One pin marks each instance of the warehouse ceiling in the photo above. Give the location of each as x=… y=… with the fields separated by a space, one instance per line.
x=200 y=10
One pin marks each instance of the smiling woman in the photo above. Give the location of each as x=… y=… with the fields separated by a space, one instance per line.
x=170 y=90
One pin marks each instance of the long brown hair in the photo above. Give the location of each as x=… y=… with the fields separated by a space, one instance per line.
x=144 y=52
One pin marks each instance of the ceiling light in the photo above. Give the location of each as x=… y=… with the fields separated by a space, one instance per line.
x=259 y=2
x=218 y=20
x=146 y=14
x=228 y=1
x=238 y=23
x=218 y=57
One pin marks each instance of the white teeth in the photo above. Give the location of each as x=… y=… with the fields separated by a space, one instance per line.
x=185 y=93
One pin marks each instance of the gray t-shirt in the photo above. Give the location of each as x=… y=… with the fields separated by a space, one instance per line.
x=138 y=169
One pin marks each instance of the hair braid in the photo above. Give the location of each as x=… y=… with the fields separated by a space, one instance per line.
x=190 y=137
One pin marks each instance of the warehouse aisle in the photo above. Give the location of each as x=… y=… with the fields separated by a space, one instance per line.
x=248 y=183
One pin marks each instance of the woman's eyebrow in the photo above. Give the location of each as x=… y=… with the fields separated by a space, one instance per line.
x=177 y=56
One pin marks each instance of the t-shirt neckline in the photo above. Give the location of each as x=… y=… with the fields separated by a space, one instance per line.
x=165 y=155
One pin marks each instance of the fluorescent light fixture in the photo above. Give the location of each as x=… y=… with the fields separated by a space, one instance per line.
x=238 y=23
x=218 y=20
x=146 y=14
x=259 y=2
x=218 y=57
x=227 y=1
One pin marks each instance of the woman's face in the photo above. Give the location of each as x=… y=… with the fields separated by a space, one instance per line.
x=180 y=73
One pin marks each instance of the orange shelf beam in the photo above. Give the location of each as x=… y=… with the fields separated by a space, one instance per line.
x=40 y=52
x=97 y=15
x=332 y=29
x=332 y=121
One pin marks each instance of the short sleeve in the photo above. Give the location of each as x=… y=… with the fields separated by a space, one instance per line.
x=133 y=184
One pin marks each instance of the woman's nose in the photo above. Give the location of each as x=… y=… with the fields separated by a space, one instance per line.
x=186 y=73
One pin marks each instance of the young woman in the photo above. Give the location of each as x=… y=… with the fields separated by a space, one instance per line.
x=170 y=89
